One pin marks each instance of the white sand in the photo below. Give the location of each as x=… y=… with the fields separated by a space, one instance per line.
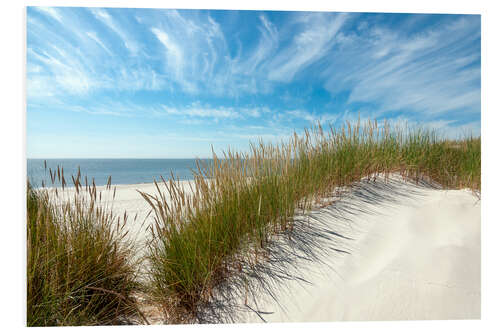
x=413 y=257
x=128 y=199
x=414 y=254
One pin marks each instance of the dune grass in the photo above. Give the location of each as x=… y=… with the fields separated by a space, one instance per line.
x=240 y=200
x=79 y=270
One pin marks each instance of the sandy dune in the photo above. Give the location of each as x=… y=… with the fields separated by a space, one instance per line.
x=414 y=254
x=386 y=251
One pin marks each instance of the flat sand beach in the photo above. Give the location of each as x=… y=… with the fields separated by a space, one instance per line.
x=127 y=199
x=389 y=250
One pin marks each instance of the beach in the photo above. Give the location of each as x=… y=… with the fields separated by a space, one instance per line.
x=126 y=198
x=414 y=254
x=390 y=250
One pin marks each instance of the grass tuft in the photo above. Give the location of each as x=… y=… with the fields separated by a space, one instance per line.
x=203 y=234
x=79 y=270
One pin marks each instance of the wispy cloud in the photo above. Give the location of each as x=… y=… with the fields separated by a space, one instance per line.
x=175 y=59
x=80 y=61
x=103 y=16
x=193 y=113
x=432 y=72
x=52 y=12
x=93 y=35
x=312 y=117
x=309 y=45
x=196 y=54
x=202 y=112
x=267 y=46
x=253 y=73
x=197 y=110
x=63 y=72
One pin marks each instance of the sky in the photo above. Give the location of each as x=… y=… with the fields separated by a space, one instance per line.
x=164 y=83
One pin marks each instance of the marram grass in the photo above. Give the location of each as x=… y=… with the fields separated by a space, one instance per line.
x=240 y=200
x=79 y=266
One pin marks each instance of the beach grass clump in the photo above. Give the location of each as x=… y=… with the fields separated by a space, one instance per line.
x=203 y=234
x=453 y=164
x=79 y=267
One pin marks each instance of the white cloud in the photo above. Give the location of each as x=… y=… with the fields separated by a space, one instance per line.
x=51 y=11
x=66 y=74
x=308 y=46
x=189 y=64
x=313 y=118
x=104 y=17
x=39 y=87
x=268 y=44
x=255 y=112
x=443 y=128
x=196 y=53
x=196 y=110
x=174 y=52
x=31 y=68
x=94 y=37
x=56 y=65
x=428 y=74
x=197 y=56
x=425 y=73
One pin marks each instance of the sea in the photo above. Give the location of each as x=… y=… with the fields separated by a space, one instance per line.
x=122 y=171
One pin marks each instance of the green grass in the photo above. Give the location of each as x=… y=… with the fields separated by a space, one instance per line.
x=79 y=270
x=80 y=267
x=240 y=200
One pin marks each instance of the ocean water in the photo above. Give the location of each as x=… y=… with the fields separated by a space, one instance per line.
x=122 y=171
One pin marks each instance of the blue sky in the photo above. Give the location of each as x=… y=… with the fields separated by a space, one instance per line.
x=105 y=82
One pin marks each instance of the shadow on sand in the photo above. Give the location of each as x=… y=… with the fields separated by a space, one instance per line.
x=315 y=236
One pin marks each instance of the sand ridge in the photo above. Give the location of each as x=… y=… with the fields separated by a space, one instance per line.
x=414 y=254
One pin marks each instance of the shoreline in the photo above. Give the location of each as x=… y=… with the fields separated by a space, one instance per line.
x=69 y=187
